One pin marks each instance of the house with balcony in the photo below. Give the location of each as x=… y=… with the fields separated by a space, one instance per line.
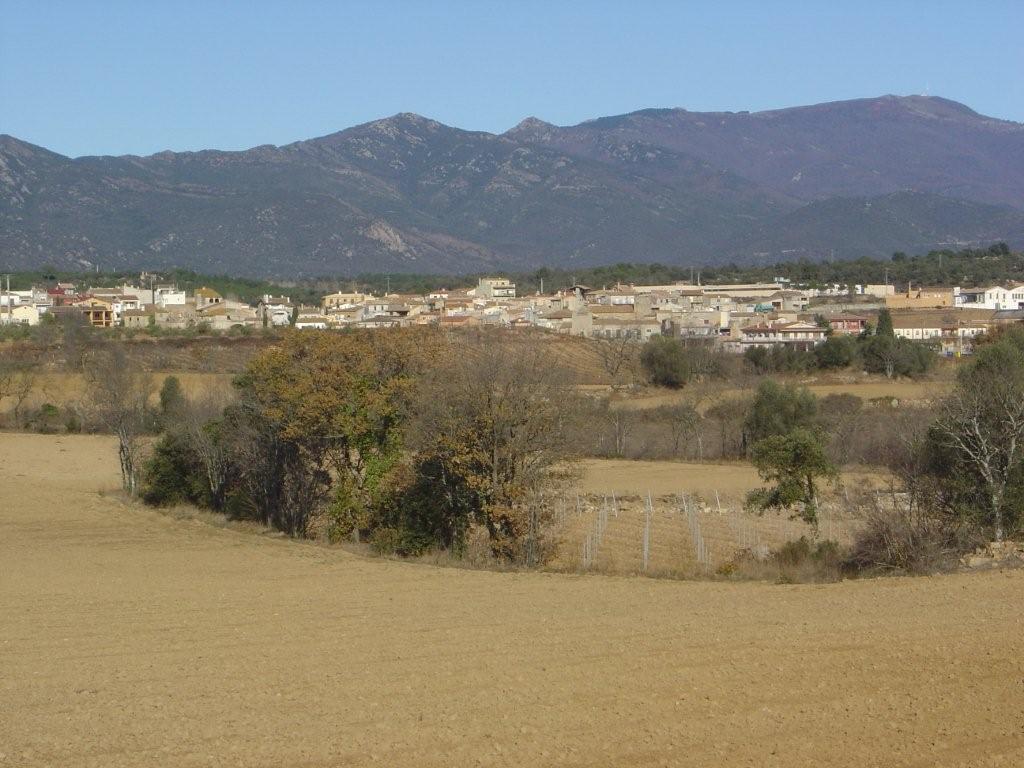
x=847 y=325
x=99 y=313
x=798 y=335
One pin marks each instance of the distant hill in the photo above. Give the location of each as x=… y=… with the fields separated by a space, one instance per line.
x=408 y=194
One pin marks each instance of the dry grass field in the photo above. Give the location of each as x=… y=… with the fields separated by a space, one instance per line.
x=128 y=638
x=732 y=481
x=62 y=389
x=906 y=391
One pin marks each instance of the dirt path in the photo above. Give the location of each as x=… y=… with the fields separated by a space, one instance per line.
x=127 y=638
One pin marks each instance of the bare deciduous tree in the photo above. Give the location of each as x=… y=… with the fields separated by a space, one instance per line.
x=17 y=381
x=623 y=421
x=204 y=429
x=984 y=425
x=620 y=358
x=493 y=426
x=116 y=399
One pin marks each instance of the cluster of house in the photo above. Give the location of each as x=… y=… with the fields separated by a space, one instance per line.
x=134 y=306
x=735 y=316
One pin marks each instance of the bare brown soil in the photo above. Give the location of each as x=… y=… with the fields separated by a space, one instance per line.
x=128 y=638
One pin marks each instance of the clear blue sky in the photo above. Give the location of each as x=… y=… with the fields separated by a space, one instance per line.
x=83 y=77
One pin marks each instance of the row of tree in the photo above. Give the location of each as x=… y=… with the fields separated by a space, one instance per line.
x=413 y=439
x=674 y=363
x=408 y=437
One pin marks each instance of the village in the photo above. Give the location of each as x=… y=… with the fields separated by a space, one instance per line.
x=734 y=317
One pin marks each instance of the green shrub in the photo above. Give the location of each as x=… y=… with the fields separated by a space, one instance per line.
x=837 y=352
x=387 y=540
x=47 y=419
x=665 y=363
x=778 y=410
x=173 y=474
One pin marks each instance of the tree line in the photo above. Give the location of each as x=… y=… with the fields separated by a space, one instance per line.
x=673 y=363
x=416 y=439
x=966 y=267
x=406 y=438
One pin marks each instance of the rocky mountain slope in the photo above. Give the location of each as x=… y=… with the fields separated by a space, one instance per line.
x=409 y=194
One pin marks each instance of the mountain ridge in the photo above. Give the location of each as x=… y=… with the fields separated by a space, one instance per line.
x=408 y=193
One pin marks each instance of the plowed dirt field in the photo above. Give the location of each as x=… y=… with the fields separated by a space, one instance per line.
x=128 y=638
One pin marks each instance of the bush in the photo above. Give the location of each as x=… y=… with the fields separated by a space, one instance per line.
x=840 y=405
x=399 y=541
x=907 y=542
x=799 y=551
x=778 y=410
x=72 y=424
x=798 y=561
x=780 y=359
x=173 y=474
x=671 y=363
x=46 y=419
x=896 y=357
x=665 y=362
x=837 y=352
x=386 y=541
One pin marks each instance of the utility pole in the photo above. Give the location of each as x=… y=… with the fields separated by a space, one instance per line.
x=7 y=304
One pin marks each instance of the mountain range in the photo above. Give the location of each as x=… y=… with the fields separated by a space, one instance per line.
x=407 y=194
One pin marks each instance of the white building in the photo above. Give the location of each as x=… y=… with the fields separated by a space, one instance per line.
x=169 y=296
x=991 y=297
x=496 y=288
x=798 y=335
x=276 y=310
